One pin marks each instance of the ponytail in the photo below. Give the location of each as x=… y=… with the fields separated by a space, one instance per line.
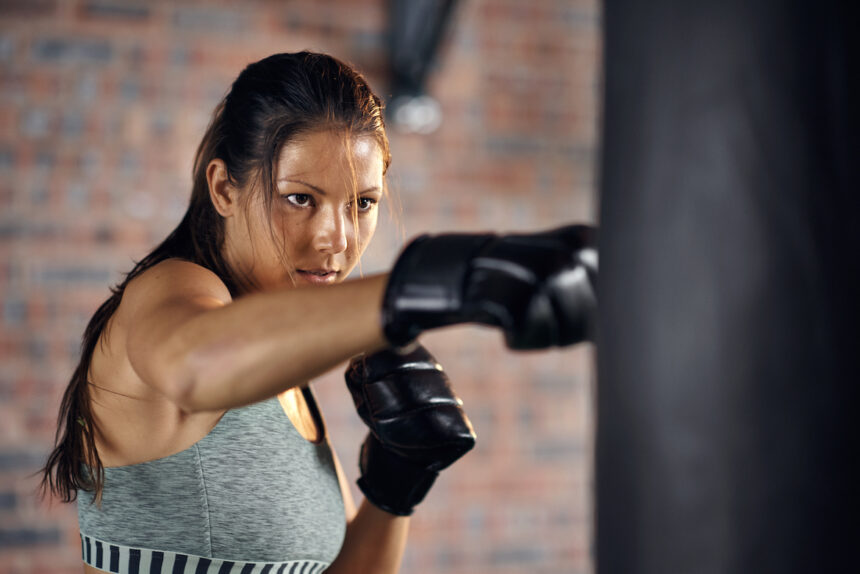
x=74 y=463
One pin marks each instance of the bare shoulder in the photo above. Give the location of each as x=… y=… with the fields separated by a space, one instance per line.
x=137 y=422
x=175 y=279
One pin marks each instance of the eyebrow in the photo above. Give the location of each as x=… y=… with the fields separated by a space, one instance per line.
x=320 y=190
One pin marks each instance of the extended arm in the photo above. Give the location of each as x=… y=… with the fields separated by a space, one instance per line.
x=187 y=339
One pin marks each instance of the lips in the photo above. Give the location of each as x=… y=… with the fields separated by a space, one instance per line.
x=317 y=276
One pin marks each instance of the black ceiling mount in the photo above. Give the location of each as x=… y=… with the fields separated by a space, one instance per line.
x=416 y=28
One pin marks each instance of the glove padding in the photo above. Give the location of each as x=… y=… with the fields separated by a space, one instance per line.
x=539 y=288
x=417 y=426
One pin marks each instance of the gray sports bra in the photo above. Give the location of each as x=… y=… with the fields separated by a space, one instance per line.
x=251 y=496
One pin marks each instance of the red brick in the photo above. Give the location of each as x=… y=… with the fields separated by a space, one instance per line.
x=104 y=101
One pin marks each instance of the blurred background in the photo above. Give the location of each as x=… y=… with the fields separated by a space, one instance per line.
x=102 y=105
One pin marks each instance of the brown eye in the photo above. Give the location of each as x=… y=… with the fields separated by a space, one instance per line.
x=299 y=199
x=366 y=203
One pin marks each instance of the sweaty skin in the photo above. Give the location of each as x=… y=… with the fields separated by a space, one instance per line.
x=179 y=351
x=323 y=218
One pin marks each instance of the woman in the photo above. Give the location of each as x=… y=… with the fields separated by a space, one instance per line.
x=173 y=431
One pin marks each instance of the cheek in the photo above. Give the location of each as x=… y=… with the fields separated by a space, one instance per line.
x=265 y=228
x=366 y=229
x=291 y=232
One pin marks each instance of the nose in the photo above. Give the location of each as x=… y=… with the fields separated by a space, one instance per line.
x=331 y=232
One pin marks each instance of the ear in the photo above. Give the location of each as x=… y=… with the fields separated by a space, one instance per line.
x=224 y=196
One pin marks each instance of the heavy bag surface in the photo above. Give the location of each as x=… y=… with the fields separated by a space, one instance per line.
x=728 y=330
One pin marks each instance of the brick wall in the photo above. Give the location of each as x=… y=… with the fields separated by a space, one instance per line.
x=102 y=103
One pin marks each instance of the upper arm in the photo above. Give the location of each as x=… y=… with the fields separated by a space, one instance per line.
x=154 y=308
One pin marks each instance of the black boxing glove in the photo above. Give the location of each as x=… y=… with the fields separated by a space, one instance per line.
x=539 y=288
x=417 y=426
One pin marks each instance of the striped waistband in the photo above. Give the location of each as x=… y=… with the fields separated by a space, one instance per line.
x=128 y=560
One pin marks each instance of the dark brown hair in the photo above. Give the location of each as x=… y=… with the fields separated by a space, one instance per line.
x=272 y=102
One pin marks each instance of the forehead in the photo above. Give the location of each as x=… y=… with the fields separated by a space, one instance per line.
x=330 y=152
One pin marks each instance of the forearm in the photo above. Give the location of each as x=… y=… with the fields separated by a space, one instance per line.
x=375 y=542
x=262 y=344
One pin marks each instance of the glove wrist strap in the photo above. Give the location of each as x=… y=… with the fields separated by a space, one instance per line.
x=389 y=481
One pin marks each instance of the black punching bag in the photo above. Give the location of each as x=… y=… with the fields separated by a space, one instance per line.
x=728 y=340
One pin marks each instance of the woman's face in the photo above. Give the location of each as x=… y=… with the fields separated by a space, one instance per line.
x=323 y=216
